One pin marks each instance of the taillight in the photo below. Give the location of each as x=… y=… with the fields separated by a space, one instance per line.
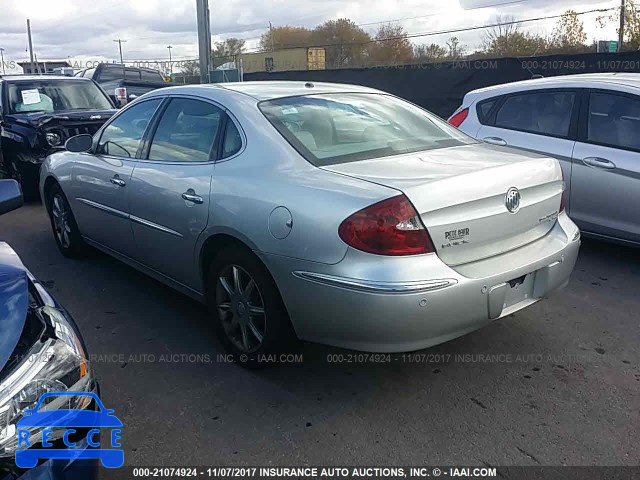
x=390 y=227
x=121 y=95
x=459 y=117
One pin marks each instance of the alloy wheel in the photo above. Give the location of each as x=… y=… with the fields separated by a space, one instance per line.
x=60 y=212
x=241 y=308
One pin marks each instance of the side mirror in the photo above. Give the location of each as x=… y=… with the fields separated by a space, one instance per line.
x=10 y=196
x=79 y=143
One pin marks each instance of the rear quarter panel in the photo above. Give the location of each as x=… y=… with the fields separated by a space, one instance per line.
x=269 y=174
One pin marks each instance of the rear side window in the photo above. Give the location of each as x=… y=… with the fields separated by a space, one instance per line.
x=109 y=73
x=484 y=109
x=614 y=120
x=132 y=74
x=151 y=76
x=546 y=113
x=232 y=142
x=187 y=132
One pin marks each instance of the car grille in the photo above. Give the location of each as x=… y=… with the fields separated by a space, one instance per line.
x=73 y=131
x=68 y=131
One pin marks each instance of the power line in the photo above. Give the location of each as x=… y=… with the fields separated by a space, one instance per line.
x=454 y=30
x=430 y=15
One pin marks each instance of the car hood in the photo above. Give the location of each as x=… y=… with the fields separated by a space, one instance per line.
x=38 y=119
x=14 y=301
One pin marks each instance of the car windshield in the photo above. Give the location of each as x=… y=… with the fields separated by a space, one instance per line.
x=345 y=127
x=55 y=96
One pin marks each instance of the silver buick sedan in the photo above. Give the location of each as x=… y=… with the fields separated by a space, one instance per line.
x=329 y=213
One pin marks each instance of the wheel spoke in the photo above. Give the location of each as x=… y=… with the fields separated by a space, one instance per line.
x=226 y=286
x=236 y=279
x=249 y=289
x=254 y=311
x=255 y=331
x=225 y=307
x=245 y=337
x=65 y=238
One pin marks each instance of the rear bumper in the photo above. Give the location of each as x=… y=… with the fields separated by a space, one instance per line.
x=399 y=304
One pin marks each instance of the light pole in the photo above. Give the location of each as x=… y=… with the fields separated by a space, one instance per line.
x=120 y=42
x=204 y=38
x=621 y=31
x=2 y=59
x=169 y=47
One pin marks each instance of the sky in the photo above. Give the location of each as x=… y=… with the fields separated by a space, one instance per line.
x=83 y=31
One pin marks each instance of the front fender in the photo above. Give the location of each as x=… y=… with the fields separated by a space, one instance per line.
x=58 y=166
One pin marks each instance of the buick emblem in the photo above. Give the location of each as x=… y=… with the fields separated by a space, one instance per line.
x=512 y=200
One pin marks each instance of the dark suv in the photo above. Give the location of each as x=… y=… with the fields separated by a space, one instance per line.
x=37 y=116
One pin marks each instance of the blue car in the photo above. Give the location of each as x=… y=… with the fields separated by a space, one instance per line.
x=31 y=320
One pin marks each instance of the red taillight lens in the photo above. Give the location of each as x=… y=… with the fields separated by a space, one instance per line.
x=390 y=227
x=121 y=93
x=459 y=117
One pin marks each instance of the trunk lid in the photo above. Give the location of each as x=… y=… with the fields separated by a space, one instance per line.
x=461 y=192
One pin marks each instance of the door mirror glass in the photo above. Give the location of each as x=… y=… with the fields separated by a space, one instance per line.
x=79 y=143
x=10 y=196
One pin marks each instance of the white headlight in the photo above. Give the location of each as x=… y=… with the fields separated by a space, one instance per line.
x=53 y=139
x=57 y=364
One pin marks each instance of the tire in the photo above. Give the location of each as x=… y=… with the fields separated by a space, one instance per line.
x=63 y=224
x=254 y=323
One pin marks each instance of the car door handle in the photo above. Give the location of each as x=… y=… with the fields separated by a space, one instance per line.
x=495 y=141
x=599 y=162
x=117 y=181
x=190 y=196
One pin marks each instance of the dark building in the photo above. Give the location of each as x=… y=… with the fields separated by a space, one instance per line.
x=46 y=66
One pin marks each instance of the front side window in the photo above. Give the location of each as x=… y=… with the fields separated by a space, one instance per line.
x=122 y=137
x=345 y=127
x=50 y=96
x=614 y=120
x=187 y=132
x=546 y=113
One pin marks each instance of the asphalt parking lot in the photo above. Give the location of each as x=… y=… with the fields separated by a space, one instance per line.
x=562 y=387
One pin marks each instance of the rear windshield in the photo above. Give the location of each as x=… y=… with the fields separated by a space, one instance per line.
x=346 y=127
x=55 y=96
